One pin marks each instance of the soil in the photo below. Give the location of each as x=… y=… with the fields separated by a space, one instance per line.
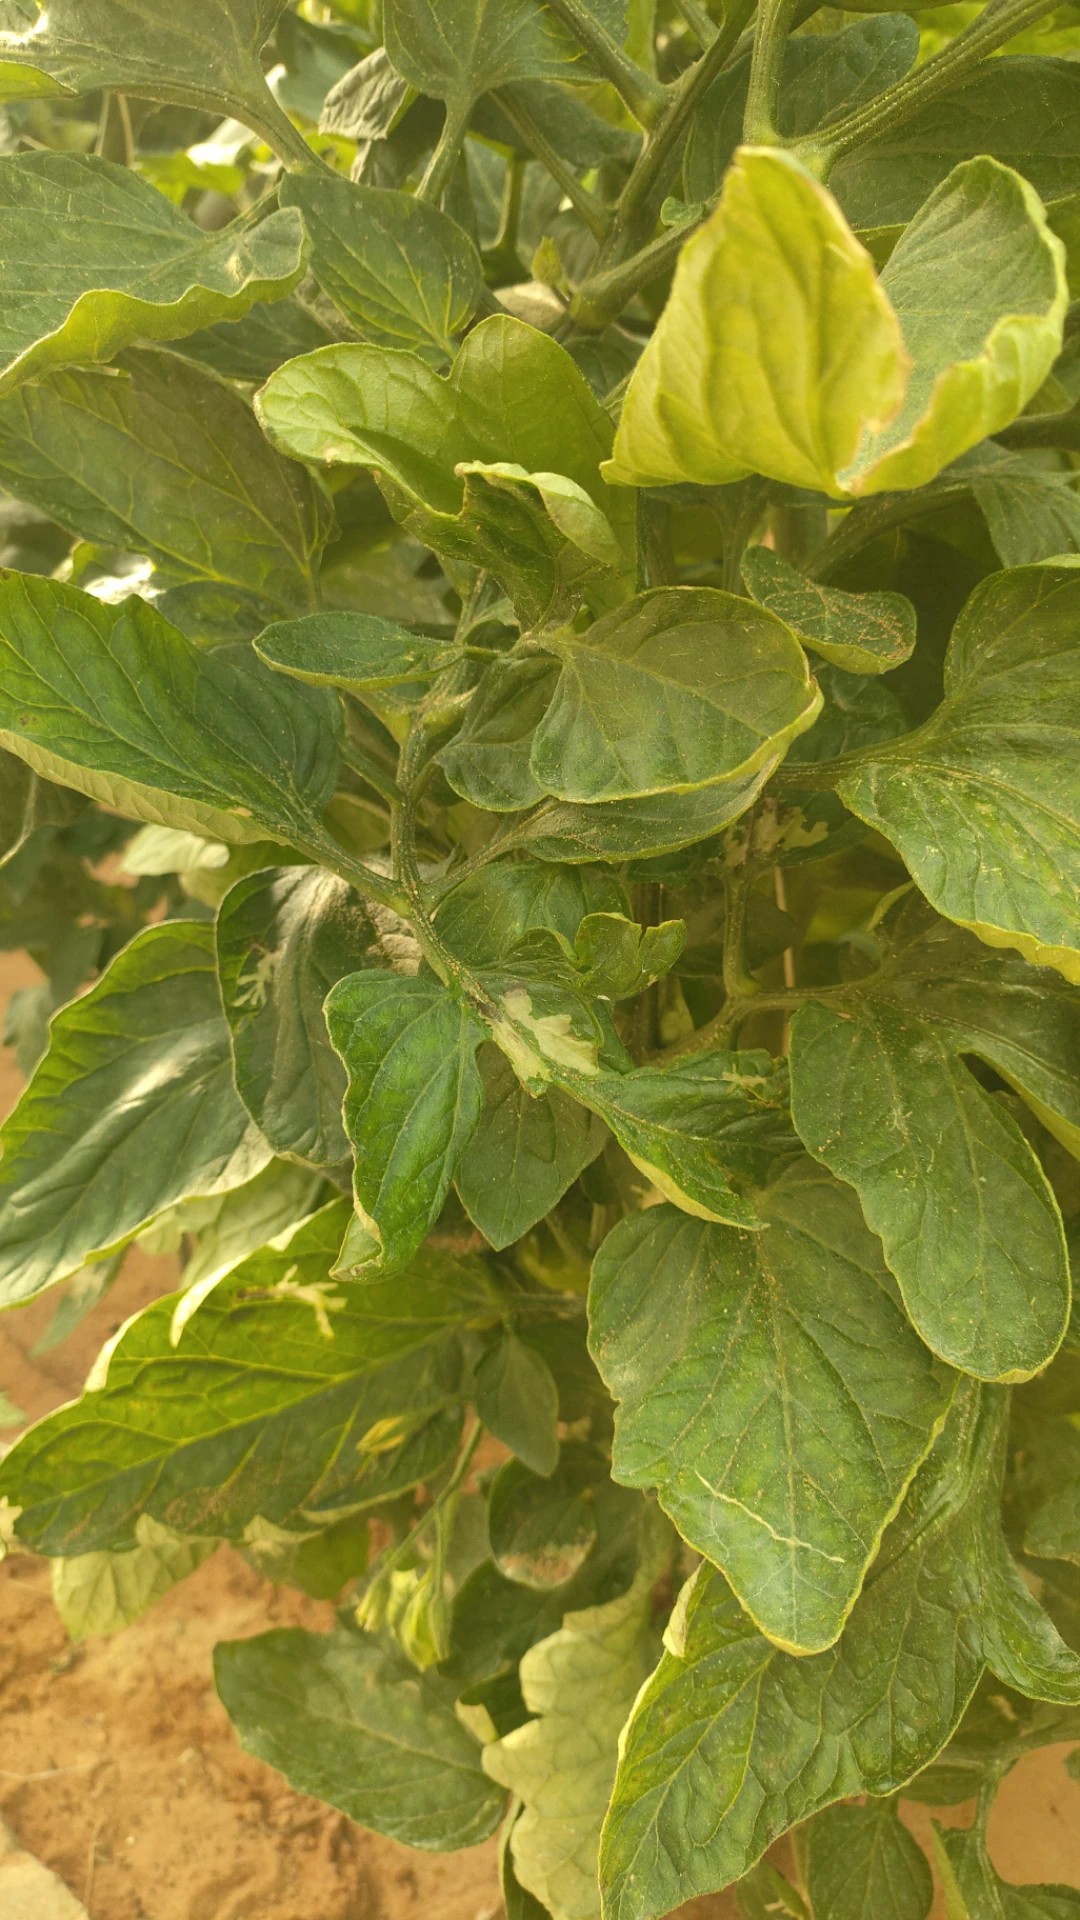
x=119 y=1769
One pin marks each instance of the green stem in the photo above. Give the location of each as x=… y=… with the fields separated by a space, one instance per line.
x=369 y=769
x=440 y=168
x=701 y=24
x=863 y=524
x=648 y=178
x=738 y=981
x=643 y=95
x=413 y=767
x=603 y=296
x=272 y=124
x=596 y=216
x=372 y=886
x=761 y=122
x=947 y=70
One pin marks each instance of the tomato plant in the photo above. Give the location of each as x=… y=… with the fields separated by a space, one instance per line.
x=540 y=708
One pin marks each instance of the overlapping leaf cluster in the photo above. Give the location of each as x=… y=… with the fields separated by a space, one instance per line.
x=539 y=745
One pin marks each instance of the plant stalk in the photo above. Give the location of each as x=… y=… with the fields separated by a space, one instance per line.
x=761 y=126
x=643 y=95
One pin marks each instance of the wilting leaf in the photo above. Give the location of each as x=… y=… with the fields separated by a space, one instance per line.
x=733 y=1741
x=279 y=1395
x=881 y=1093
x=983 y=802
x=414 y=1097
x=580 y=1684
x=895 y=377
x=98 y=1593
x=972 y=1887
x=404 y=274
x=681 y=688
x=349 y=1720
x=132 y=1109
x=770 y=1391
x=163 y=459
x=94 y=258
x=114 y=701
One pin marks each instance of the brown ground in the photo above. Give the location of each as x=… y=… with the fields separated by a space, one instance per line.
x=119 y=1769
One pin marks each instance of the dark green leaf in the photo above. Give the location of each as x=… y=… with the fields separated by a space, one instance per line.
x=163 y=459
x=635 y=829
x=276 y=1396
x=771 y=1392
x=350 y=1721
x=94 y=258
x=1023 y=113
x=824 y=74
x=733 y=1741
x=285 y=936
x=489 y=914
x=861 y=1861
x=399 y=270
x=357 y=652
x=413 y=1099
x=973 y=1890
x=860 y=632
x=518 y=1401
x=132 y=1109
x=882 y=1095
x=524 y=1154
x=487 y=761
x=116 y=702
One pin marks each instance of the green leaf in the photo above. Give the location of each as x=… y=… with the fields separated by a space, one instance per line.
x=207 y=58
x=636 y=829
x=525 y=1153
x=693 y=1127
x=278 y=1397
x=115 y=702
x=618 y=959
x=973 y=1890
x=403 y=274
x=95 y=259
x=488 y=915
x=982 y=801
x=1023 y=113
x=543 y=1529
x=357 y=652
x=285 y=936
x=860 y=632
x=861 y=1861
x=733 y=1741
x=230 y=1226
x=350 y=1721
x=131 y=1109
x=512 y=396
x=1032 y=512
x=580 y=1683
x=684 y=687
x=10 y=1414
x=414 y=1097
x=771 y=1392
x=99 y=1593
x=897 y=376
x=459 y=49
x=518 y=1401
x=882 y=1095
x=28 y=804
x=487 y=761
x=162 y=459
